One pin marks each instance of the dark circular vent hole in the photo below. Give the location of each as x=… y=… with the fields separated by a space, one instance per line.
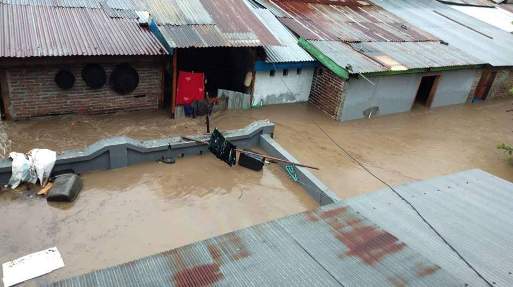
x=124 y=79
x=94 y=76
x=64 y=79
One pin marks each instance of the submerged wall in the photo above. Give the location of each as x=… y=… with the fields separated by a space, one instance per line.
x=279 y=88
x=396 y=93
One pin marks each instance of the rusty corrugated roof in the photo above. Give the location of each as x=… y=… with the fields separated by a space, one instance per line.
x=332 y=246
x=348 y=23
x=39 y=30
x=210 y=23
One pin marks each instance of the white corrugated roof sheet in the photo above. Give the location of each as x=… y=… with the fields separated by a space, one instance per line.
x=497 y=17
x=474 y=37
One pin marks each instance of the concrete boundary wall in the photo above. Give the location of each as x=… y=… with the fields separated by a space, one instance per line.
x=311 y=184
x=121 y=152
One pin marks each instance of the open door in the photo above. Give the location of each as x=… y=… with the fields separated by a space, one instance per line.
x=427 y=90
x=484 y=85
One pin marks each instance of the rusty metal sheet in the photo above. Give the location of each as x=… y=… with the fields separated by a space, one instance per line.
x=235 y=16
x=332 y=246
x=349 y=23
x=472 y=209
x=37 y=31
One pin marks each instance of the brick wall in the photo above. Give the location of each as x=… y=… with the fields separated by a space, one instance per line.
x=502 y=85
x=33 y=92
x=327 y=92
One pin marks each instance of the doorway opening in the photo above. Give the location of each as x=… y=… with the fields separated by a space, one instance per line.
x=223 y=68
x=426 y=92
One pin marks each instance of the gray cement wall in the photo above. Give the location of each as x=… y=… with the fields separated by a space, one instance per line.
x=454 y=87
x=396 y=94
x=311 y=184
x=123 y=151
x=392 y=94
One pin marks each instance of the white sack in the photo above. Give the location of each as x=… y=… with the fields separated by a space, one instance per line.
x=43 y=161
x=21 y=170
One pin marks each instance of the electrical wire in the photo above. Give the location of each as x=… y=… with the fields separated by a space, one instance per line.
x=446 y=242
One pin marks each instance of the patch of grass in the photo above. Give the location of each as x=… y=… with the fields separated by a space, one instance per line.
x=508 y=149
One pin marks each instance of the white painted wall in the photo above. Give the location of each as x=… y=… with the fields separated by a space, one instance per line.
x=395 y=94
x=281 y=89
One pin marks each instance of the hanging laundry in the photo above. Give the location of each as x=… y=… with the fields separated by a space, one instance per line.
x=222 y=148
x=191 y=87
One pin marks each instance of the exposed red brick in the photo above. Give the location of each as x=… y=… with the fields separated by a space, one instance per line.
x=32 y=90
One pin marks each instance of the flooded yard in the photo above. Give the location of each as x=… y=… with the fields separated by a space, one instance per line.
x=399 y=148
x=125 y=214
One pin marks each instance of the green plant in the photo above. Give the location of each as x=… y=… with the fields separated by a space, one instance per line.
x=508 y=149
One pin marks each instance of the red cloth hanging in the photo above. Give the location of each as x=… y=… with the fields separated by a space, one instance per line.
x=191 y=87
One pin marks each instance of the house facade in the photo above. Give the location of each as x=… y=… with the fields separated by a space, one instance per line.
x=77 y=58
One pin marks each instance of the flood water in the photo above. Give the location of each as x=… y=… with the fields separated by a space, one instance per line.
x=398 y=148
x=125 y=214
x=130 y=213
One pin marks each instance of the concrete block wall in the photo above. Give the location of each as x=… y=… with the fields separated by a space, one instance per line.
x=502 y=85
x=32 y=91
x=327 y=92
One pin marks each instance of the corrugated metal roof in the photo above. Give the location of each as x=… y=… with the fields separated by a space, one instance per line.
x=473 y=210
x=497 y=17
x=56 y=3
x=289 y=51
x=372 y=57
x=348 y=23
x=476 y=3
x=332 y=246
x=474 y=37
x=202 y=36
x=415 y=55
x=211 y=23
x=345 y=56
x=179 y=12
x=37 y=31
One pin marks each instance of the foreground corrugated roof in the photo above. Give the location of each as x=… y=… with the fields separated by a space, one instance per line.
x=472 y=210
x=474 y=37
x=44 y=30
x=289 y=50
x=370 y=57
x=332 y=246
x=209 y=23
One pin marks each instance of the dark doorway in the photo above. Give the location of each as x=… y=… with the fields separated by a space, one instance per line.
x=484 y=85
x=224 y=68
x=426 y=90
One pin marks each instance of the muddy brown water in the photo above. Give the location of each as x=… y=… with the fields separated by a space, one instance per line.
x=129 y=213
